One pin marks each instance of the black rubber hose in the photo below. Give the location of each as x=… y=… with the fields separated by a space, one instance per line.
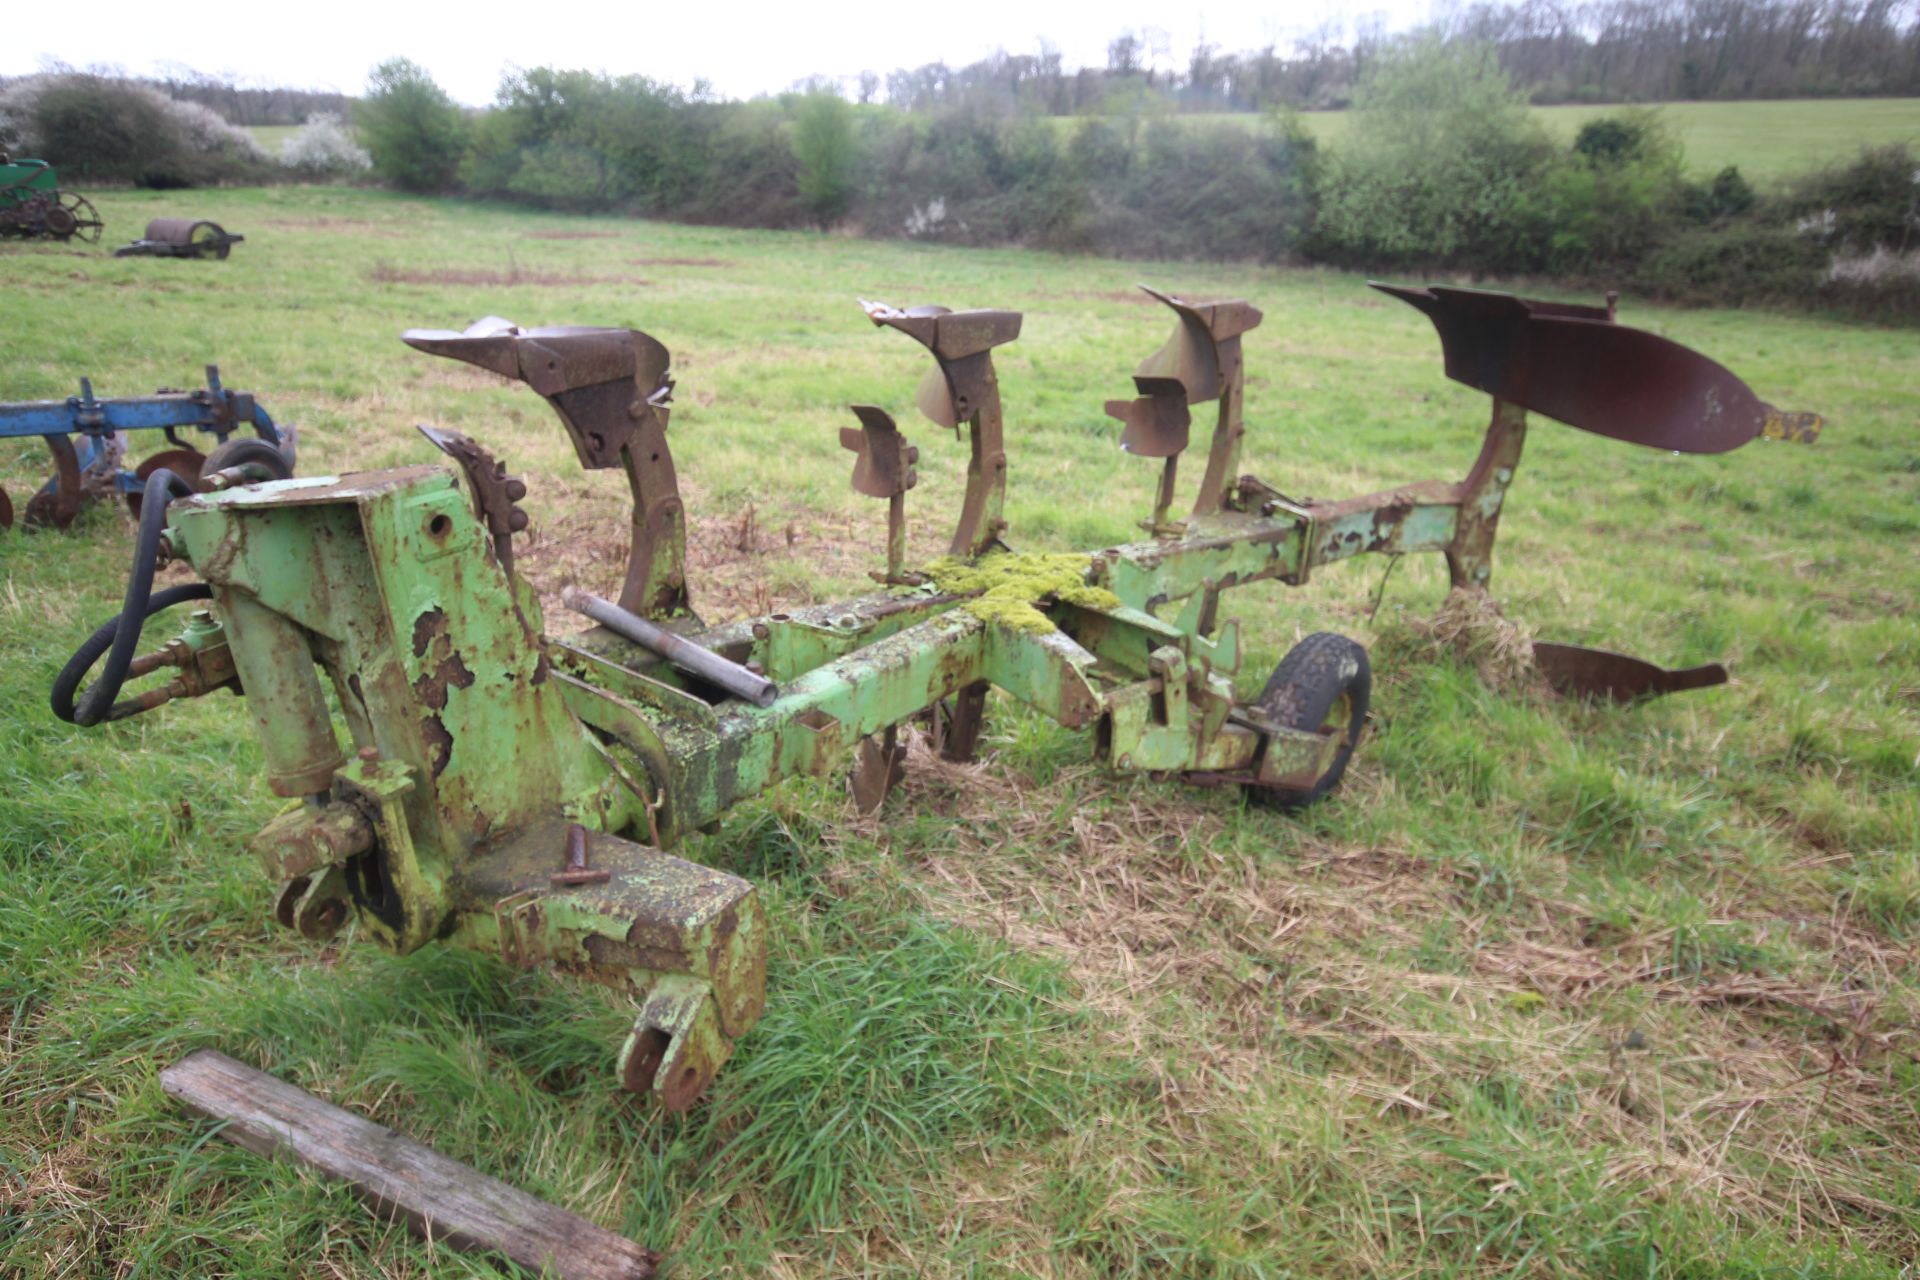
x=121 y=637
x=100 y=641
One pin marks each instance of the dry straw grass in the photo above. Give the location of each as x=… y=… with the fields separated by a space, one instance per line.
x=1206 y=954
x=1470 y=627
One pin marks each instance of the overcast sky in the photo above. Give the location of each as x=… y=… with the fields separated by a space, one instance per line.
x=742 y=48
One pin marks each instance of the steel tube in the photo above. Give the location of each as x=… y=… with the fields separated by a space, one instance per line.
x=678 y=650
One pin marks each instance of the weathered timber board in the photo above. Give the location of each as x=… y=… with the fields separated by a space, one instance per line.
x=441 y=1199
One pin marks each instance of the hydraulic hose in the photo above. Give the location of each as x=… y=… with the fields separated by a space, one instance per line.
x=120 y=637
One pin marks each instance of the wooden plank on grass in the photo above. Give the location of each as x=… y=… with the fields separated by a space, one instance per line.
x=439 y=1198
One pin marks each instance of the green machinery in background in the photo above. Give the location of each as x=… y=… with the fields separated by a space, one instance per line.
x=514 y=791
x=32 y=205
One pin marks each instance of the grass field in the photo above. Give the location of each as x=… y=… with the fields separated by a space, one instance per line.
x=272 y=137
x=1543 y=990
x=1767 y=140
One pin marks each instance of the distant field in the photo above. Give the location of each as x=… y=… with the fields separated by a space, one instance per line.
x=1767 y=140
x=272 y=136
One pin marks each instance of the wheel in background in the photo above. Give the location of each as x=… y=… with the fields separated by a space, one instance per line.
x=78 y=218
x=207 y=239
x=247 y=449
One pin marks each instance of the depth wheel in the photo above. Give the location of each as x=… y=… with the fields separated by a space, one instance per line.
x=1323 y=685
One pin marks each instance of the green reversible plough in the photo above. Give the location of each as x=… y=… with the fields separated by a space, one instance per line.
x=455 y=773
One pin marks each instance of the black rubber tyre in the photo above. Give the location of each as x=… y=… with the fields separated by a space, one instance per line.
x=1324 y=683
x=247 y=449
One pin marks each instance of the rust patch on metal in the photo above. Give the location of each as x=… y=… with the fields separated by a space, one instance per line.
x=428 y=625
x=609 y=953
x=450 y=673
x=439 y=744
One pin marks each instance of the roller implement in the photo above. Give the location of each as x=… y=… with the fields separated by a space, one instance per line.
x=95 y=468
x=511 y=790
x=181 y=238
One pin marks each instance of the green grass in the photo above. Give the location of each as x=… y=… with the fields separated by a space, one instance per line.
x=1767 y=140
x=272 y=137
x=1543 y=990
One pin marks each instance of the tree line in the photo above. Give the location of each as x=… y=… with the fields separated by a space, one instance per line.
x=1443 y=168
x=1556 y=51
x=247 y=103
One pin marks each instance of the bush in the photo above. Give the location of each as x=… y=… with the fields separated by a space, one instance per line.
x=1748 y=262
x=1883 y=284
x=1614 y=196
x=578 y=140
x=1618 y=139
x=414 y=133
x=1727 y=196
x=823 y=146
x=1210 y=192
x=1871 y=201
x=1847 y=238
x=1174 y=189
x=98 y=129
x=751 y=178
x=1442 y=165
x=322 y=148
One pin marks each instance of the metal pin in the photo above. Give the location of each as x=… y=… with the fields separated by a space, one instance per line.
x=578 y=872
